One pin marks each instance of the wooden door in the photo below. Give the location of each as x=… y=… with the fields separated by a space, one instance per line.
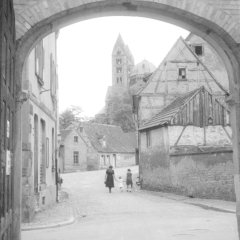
x=7 y=116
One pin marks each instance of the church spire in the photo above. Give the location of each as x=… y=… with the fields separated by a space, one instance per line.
x=122 y=63
x=119 y=43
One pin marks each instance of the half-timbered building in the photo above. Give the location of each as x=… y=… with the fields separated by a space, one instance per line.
x=190 y=64
x=186 y=147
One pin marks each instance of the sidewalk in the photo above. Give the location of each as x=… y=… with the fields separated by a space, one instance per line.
x=59 y=214
x=211 y=204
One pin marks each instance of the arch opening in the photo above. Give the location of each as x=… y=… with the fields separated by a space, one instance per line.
x=220 y=40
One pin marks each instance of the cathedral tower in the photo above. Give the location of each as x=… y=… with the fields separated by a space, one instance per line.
x=122 y=64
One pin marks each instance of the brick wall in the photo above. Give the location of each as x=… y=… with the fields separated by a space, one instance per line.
x=197 y=171
x=196 y=174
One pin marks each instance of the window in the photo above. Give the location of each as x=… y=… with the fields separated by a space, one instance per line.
x=103 y=160
x=53 y=149
x=148 y=139
x=53 y=77
x=119 y=80
x=108 y=160
x=81 y=129
x=119 y=61
x=198 y=49
x=43 y=152
x=75 y=139
x=118 y=52
x=39 y=62
x=119 y=70
x=115 y=160
x=76 y=157
x=182 y=75
x=47 y=152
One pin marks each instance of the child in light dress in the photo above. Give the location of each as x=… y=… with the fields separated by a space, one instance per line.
x=120 y=183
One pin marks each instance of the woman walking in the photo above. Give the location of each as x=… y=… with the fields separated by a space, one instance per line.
x=129 y=181
x=109 y=182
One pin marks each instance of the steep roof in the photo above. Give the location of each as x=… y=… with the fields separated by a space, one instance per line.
x=119 y=42
x=175 y=110
x=180 y=53
x=116 y=141
x=125 y=51
x=142 y=68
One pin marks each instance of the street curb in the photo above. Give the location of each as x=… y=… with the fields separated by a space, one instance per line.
x=187 y=200
x=210 y=207
x=53 y=225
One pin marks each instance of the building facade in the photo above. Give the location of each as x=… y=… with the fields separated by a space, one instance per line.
x=185 y=134
x=39 y=128
x=186 y=148
x=92 y=146
x=190 y=64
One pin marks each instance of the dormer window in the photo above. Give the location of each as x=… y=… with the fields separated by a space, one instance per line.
x=198 y=49
x=182 y=74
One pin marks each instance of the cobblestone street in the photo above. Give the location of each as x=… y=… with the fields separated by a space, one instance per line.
x=136 y=215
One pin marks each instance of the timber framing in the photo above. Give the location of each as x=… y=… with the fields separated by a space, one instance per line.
x=198 y=108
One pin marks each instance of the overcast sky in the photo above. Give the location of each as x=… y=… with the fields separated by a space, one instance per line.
x=85 y=50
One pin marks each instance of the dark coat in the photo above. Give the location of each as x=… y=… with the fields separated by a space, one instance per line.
x=109 y=180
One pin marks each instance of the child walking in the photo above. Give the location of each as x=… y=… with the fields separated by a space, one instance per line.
x=120 y=183
x=129 y=181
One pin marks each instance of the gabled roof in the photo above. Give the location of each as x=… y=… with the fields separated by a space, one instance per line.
x=168 y=114
x=177 y=54
x=119 y=43
x=116 y=141
x=126 y=51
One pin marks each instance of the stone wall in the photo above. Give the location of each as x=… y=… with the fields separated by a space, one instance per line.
x=206 y=174
x=126 y=160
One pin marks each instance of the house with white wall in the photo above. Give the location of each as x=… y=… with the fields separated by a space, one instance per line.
x=92 y=146
x=39 y=128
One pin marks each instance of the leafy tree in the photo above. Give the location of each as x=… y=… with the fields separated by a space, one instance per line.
x=118 y=111
x=69 y=116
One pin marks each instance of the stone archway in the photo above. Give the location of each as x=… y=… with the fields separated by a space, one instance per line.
x=203 y=18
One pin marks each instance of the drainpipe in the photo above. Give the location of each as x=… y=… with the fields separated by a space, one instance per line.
x=56 y=174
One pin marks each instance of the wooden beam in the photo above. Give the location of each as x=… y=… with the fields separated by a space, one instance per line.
x=204 y=136
x=180 y=135
x=183 y=61
x=230 y=138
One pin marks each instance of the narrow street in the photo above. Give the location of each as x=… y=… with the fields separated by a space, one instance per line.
x=136 y=215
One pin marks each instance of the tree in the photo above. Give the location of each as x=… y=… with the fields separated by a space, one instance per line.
x=118 y=111
x=69 y=116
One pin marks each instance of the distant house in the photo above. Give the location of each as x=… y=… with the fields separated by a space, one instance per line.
x=186 y=147
x=96 y=146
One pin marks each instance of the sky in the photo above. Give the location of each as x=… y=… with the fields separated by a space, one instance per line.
x=85 y=51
